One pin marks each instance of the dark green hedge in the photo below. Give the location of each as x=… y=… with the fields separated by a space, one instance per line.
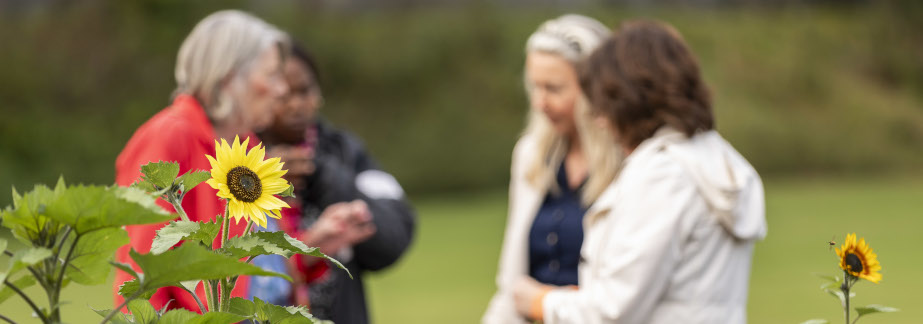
x=437 y=92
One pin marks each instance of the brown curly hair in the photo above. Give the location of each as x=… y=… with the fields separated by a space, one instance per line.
x=645 y=77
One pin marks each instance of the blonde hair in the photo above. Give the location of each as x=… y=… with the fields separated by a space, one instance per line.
x=572 y=37
x=222 y=45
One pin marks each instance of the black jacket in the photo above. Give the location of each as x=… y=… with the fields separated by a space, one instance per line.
x=345 y=172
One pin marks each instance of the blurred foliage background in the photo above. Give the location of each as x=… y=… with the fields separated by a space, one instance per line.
x=828 y=88
x=825 y=98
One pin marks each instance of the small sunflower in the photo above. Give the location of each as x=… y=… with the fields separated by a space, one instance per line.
x=858 y=260
x=247 y=181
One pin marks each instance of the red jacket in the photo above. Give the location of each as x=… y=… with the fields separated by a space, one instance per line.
x=182 y=133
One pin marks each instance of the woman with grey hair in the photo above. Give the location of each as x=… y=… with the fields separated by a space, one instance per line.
x=561 y=164
x=228 y=75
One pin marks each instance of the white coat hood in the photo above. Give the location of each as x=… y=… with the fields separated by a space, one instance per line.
x=730 y=185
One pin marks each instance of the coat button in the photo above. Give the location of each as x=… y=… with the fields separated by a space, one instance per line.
x=557 y=215
x=554 y=265
x=552 y=238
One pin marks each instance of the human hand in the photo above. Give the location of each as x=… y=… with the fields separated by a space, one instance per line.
x=341 y=225
x=528 y=295
x=359 y=224
x=299 y=160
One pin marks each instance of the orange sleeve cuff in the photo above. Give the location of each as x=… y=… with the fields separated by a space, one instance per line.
x=536 y=310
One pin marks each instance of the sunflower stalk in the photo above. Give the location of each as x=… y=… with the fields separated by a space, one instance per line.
x=247 y=230
x=54 y=298
x=845 y=288
x=7 y=319
x=198 y=301
x=226 y=294
x=177 y=202
x=38 y=311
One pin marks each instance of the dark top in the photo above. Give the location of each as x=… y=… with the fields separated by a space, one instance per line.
x=556 y=235
x=345 y=171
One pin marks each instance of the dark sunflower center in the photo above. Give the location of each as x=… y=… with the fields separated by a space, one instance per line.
x=854 y=263
x=244 y=184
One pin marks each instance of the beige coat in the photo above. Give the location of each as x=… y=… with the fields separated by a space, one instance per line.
x=525 y=200
x=670 y=241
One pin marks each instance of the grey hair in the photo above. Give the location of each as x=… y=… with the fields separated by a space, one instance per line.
x=222 y=45
x=571 y=36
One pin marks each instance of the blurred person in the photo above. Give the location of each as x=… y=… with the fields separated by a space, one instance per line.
x=345 y=204
x=228 y=75
x=671 y=240
x=562 y=162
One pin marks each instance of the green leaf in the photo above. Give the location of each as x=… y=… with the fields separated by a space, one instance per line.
x=160 y=174
x=21 y=283
x=244 y=308
x=28 y=218
x=827 y=277
x=177 y=231
x=16 y=198
x=119 y=318
x=872 y=309
x=177 y=316
x=142 y=311
x=262 y=311
x=830 y=285
x=279 y=243
x=139 y=197
x=182 y=316
x=125 y=267
x=190 y=285
x=193 y=178
x=191 y=262
x=290 y=192
x=279 y=314
x=3 y=244
x=815 y=321
x=129 y=288
x=89 y=208
x=32 y=255
x=839 y=294
x=144 y=185
x=89 y=263
x=24 y=258
x=60 y=186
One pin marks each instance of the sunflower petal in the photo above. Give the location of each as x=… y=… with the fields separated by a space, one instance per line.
x=277 y=213
x=267 y=166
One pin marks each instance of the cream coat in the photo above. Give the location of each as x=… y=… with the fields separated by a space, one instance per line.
x=525 y=200
x=670 y=241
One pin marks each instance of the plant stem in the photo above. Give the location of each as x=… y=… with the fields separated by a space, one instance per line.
x=177 y=205
x=197 y=300
x=214 y=307
x=38 y=277
x=247 y=230
x=226 y=225
x=53 y=301
x=57 y=252
x=7 y=319
x=226 y=288
x=37 y=310
x=208 y=294
x=117 y=308
x=845 y=288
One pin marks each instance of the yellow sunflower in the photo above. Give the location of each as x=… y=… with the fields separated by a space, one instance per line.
x=247 y=181
x=858 y=259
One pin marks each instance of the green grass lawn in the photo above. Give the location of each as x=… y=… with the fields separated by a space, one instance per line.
x=447 y=277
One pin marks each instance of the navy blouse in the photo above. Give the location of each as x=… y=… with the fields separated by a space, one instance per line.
x=556 y=235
